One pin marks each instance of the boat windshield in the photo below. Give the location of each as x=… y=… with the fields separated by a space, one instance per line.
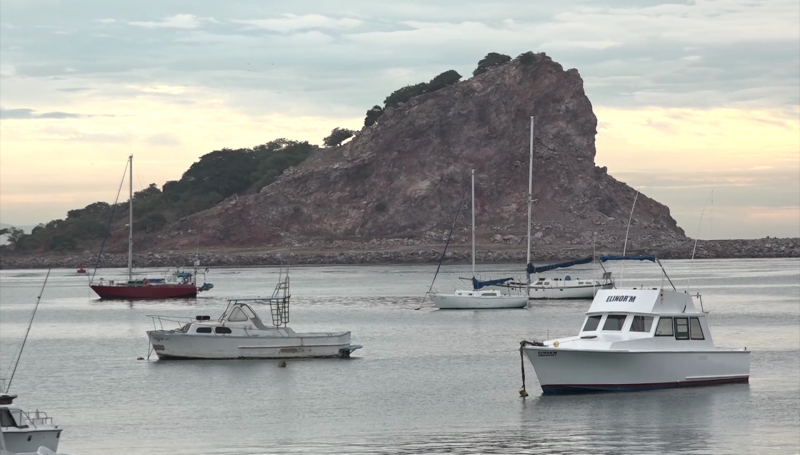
x=642 y=324
x=591 y=323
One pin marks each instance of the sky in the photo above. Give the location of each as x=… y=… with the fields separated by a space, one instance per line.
x=698 y=102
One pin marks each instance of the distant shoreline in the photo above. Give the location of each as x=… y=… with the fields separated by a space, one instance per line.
x=409 y=254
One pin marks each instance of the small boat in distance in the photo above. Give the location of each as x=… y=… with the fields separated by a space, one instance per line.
x=240 y=334
x=176 y=285
x=81 y=270
x=637 y=339
x=478 y=298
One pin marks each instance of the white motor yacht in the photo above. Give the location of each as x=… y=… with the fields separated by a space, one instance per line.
x=634 y=339
x=239 y=334
x=26 y=432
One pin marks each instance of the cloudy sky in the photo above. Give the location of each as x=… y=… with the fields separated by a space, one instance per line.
x=690 y=96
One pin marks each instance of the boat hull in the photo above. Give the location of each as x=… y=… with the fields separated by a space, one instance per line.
x=574 y=371
x=171 y=345
x=466 y=302
x=565 y=292
x=162 y=291
x=17 y=439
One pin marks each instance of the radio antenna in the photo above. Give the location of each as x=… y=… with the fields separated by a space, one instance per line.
x=697 y=237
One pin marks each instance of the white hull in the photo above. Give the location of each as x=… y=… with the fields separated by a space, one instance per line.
x=176 y=345
x=569 y=371
x=16 y=439
x=565 y=292
x=468 y=302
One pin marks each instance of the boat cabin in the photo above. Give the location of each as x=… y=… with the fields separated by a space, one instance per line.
x=239 y=319
x=480 y=293
x=623 y=316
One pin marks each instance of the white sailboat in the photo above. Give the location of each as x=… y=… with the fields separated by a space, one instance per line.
x=478 y=298
x=566 y=287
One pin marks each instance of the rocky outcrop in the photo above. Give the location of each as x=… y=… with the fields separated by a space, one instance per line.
x=404 y=176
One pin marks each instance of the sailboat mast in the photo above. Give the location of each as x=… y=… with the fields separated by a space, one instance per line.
x=130 y=221
x=530 y=199
x=473 y=223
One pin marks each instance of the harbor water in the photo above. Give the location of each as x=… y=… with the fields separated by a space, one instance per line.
x=426 y=381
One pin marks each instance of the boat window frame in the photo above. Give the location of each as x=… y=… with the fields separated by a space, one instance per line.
x=699 y=327
x=235 y=312
x=599 y=319
x=671 y=327
x=644 y=320
x=222 y=330
x=615 y=316
x=682 y=338
x=203 y=329
x=6 y=417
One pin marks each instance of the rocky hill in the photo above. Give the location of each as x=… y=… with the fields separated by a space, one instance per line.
x=401 y=179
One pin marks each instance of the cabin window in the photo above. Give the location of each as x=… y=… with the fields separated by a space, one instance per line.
x=695 y=330
x=237 y=315
x=614 y=322
x=222 y=330
x=203 y=330
x=591 y=323
x=681 y=328
x=6 y=419
x=664 y=327
x=642 y=324
x=248 y=311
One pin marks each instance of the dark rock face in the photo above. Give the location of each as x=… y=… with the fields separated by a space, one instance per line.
x=404 y=176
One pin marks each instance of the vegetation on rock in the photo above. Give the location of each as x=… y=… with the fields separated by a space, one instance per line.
x=216 y=176
x=338 y=135
x=492 y=60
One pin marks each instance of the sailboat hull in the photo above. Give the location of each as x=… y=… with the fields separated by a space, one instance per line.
x=161 y=291
x=468 y=302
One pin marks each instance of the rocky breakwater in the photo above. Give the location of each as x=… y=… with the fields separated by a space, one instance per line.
x=404 y=176
x=404 y=251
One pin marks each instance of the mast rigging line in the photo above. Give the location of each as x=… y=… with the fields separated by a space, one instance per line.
x=38 y=299
x=108 y=225
x=449 y=236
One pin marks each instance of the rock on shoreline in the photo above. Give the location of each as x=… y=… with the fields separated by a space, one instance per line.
x=416 y=254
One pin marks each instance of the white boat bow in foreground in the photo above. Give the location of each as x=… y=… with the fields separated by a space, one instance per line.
x=24 y=432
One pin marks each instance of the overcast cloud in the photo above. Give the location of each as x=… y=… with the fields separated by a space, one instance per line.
x=331 y=61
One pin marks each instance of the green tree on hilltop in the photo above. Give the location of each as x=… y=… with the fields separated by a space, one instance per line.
x=492 y=60
x=338 y=135
x=441 y=81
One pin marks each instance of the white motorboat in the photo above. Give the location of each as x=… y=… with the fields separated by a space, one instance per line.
x=635 y=339
x=26 y=432
x=240 y=334
x=478 y=298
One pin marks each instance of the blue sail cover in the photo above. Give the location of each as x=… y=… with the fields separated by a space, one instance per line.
x=547 y=268
x=628 y=258
x=476 y=284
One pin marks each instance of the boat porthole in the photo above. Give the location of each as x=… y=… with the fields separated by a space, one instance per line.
x=555 y=344
x=29 y=437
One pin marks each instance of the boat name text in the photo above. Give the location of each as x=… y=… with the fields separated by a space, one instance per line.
x=547 y=353
x=621 y=298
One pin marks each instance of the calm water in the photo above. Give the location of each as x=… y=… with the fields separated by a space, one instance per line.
x=426 y=381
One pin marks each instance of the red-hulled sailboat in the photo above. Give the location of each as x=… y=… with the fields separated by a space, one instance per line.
x=176 y=285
